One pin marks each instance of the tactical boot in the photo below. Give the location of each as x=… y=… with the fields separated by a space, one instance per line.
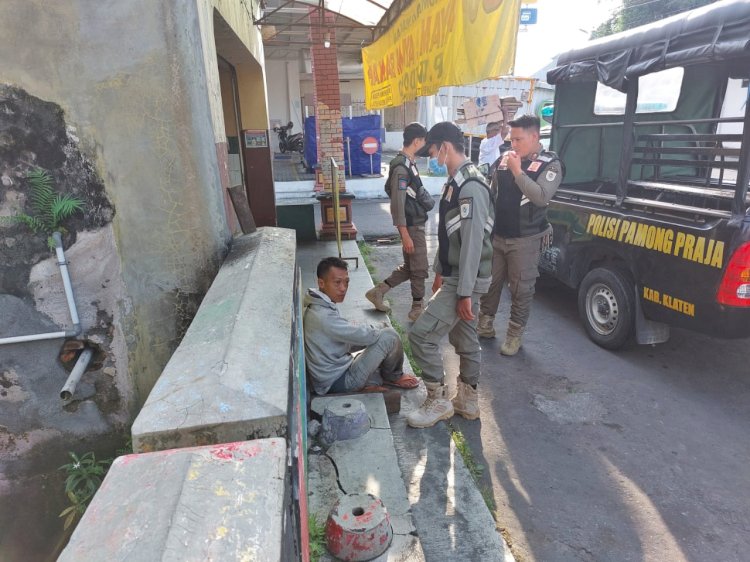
x=486 y=326
x=512 y=342
x=437 y=407
x=375 y=296
x=415 y=312
x=466 y=403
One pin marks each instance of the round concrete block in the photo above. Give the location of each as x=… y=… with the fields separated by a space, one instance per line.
x=358 y=528
x=344 y=419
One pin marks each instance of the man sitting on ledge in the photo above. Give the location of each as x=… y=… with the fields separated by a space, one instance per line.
x=330 y=340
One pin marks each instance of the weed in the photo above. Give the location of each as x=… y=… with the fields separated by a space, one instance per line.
x=475 y=469
x=50 y=208
x=366 y=252
x=317 y=534
x=85 y=475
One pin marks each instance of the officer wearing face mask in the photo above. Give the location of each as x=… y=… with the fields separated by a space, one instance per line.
x=462 y=268
x=526 y=178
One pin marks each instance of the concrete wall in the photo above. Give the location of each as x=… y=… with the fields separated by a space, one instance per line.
x=132 y=93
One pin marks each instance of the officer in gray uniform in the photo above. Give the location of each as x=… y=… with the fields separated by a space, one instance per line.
x=462 y=267
x=410 y=203
x=525 y=180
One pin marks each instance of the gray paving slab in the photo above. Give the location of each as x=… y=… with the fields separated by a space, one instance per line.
x=220 y=502
x=225 y=381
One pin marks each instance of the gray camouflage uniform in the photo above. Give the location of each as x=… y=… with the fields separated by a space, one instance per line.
x=464 y=260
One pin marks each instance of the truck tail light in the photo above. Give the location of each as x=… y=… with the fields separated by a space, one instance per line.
x=735 y=285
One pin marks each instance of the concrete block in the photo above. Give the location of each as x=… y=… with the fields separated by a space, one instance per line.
x=223 y=502
x=344 y=418
x=229 y=378
x=358 y=528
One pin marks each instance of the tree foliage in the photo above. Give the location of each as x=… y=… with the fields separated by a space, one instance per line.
x=634 y=13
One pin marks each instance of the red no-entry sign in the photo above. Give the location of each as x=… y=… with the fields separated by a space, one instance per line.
x=370 y=145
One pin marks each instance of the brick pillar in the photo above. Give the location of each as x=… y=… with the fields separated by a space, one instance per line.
x=328 y=124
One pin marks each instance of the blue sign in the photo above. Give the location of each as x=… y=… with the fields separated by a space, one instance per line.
x=528 y=16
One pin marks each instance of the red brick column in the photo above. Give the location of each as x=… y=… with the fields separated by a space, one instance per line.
x=328 y=122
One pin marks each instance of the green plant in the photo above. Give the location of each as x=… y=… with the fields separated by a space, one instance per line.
x=317 y=535
x=475 y=469
x=50 y=207
x=84 y=476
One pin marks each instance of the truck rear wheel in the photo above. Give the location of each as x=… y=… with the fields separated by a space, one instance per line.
x=606 y=306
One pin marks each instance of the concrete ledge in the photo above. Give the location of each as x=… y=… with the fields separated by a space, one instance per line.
x=209 y=503
x=229 y=378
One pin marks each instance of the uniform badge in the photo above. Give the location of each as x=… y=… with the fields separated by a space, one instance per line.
x=403 y=183
x=551 y=175
x=449 y=193
x=534 y=166
x=467 y=207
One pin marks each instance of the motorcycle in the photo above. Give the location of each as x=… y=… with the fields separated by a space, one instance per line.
x=287 y=142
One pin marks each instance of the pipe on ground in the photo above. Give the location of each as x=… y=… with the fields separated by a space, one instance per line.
x=75 y=375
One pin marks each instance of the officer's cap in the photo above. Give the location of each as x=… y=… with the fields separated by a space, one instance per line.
x=440 y=133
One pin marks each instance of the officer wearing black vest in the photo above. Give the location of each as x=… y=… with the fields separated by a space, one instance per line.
x=410 y=203
x=463 y=267
x=525 y=180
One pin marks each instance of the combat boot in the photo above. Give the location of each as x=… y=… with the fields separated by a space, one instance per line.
x=466 y=403
x=415 y=312
x=512 y=342
x=375 y=296
x=437 y=407
x=486 y=326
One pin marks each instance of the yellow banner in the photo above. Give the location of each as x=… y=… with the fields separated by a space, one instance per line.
x=438 y=43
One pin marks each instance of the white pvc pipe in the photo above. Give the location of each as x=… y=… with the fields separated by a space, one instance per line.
x=66 y=278
x=68 y=295
x=75 y=375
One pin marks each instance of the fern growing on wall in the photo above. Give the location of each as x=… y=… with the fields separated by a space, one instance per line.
x=50 y=208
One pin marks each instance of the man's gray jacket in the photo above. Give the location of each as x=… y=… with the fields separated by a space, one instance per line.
x=330 y=339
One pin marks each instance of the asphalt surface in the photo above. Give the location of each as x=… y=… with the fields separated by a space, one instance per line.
x=641 y=454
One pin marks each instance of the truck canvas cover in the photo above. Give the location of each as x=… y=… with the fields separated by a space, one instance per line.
x=717 y=32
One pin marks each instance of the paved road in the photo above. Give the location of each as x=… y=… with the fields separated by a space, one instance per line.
x=592 y=455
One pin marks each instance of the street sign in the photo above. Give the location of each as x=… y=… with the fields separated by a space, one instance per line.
x=370 y=145
x=528 y=16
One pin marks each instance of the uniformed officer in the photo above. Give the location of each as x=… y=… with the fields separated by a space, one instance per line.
x=463 y=266
x=410 y=203
x=525 y=180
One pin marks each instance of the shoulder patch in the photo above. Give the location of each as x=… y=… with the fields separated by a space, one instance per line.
x=550 y=175
x=403 y=183
x=466 y=204
x=545 y=158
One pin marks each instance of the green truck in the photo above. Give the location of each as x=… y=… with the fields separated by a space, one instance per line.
x=651 y=223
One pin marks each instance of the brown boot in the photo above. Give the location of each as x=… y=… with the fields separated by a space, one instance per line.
x=437 y=407
x=486 y=326
x=512 y=342
x=375 y=296
x=415 y=312
x=466 y=403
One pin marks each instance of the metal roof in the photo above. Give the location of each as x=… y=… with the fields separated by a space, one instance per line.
x=285 y=25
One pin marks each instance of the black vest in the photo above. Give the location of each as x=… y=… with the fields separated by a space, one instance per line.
x=449 y=201
x=415 y=214
x=515 y=215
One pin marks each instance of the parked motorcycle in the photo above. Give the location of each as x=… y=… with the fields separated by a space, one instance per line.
x=287 y=142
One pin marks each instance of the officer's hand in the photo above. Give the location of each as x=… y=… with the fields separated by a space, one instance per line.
x=408 y=244
x=463 y=309
x=514 y=162
x=437 y=283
